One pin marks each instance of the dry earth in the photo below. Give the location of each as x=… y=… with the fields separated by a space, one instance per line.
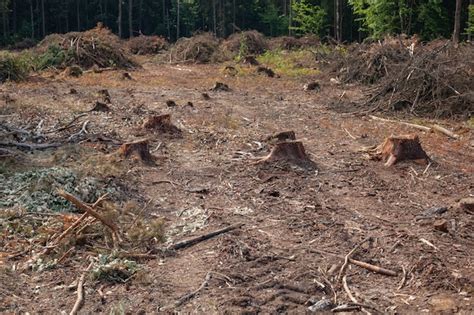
x=299 y=224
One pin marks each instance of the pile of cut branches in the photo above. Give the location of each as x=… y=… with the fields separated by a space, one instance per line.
x=293 y=43
x=147 y=45
x=437 y=81
x=245 y=43
x=97 y=47
x=201 y=48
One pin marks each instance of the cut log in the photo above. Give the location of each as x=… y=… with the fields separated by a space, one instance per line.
x=137 y=149
x=161 y=123
x=289 y=152
x=282 y=136
x=399 y=148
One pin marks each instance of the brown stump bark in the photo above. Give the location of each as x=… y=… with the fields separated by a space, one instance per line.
x=137 y=149
x=289 y=152
x=282 y=136
x=161 y=123
x=250 y=60
x=219 y=86
x=100 y=107
x=400 y=148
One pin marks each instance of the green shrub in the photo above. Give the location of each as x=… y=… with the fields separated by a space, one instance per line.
x=54 y=56
x=12 y=67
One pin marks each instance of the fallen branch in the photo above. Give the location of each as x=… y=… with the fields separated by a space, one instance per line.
x=348 y=256
x=349 y=294
x=84 y=207
x=190 y=295
x=373 y=268
x=198 y=239
x=32 y=146
x=445 y=131
x=80 y=292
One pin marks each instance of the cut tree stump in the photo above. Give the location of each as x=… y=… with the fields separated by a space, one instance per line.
x=289 y=152
x=399 y=148
x=219 y=86
x=312 y=86
x=138 y=149
x=282 y=136
x=161 y=123
x=105 y=95
x=250 y=60
x=100 y=107
x=267 y=71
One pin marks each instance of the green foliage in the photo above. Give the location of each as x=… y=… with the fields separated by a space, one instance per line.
x=379 y=18
x=433 y=19
x=12 y=67
x=289 y=63
x=243 y=48
x=470 y=22
x=53 y=57
x=308 y=18
x=276 y=23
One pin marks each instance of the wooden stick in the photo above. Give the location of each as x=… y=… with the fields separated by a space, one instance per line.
x=373 y=268
x=348 y=256
x=445 y=131
x=64 y=256
x=31 y=147
x=84 y=207
x=424 y=128
x=80 y=292
x=198 y=239
x=190 y=295
x=349 y=294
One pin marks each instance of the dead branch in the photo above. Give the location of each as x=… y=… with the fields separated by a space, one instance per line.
x=349 y=294
x=445 y=131
x=348 y=256
x=32 y=146
x=191 y=295
x=420 y=127
x=198 y=239
x=80 y=292
x=84 y=207
x=373 y=268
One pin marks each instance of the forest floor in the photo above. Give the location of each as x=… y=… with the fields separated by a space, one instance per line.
x=298 y=224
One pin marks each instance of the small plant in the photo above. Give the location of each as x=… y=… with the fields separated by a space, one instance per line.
x=295 y=63
x=12 y=67
x=54 y=56
x=114 y=270
x=243 y=48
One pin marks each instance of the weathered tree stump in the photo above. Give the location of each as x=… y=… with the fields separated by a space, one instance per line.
x=250 y=60
x=73 y=71
x=219 y=86
x=100 y=107
x=161 y=123
x=289 y=152
x=126 y=76
x=205 y=96
x=171 y=103
x=138 y=149
x=231 y=71
x=267 y=71
x=399 y=148
x=282 y=136
x=104 y=95
x=312 y=86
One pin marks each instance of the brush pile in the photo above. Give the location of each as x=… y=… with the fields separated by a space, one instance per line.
x=147 y=45
x=97 y=47
x=245 y=43
x=433 y=80
x=201 y=48
x=293 y=43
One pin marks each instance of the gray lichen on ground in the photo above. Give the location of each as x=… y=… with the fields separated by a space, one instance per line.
x=35 y=190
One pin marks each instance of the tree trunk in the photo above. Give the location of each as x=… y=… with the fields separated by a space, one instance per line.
x=43 y=20
x=214 y=22
x=15 y=16
x=457 y=22
x=233 y=15
x=177 y=20
x=130 y=18
x=32 y=18
x=290 y=17
x=337 y=20
x=140 y=16
x=119 y=18
x=78 y=15
x=469 y=35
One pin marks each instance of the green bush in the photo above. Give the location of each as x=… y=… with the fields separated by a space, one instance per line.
x=308 y=18
x=470 y=21
x=54 y=56
x=12 y=67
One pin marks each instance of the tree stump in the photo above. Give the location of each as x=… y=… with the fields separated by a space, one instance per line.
x=282 y=136
x=105 y=95
x=161 y=123
x=100 y=107
x=289 y=152
x=219 y=86
x=267 y=71
x=138 y=149
x=399 y=148
x=250 y=60
x=312 y=86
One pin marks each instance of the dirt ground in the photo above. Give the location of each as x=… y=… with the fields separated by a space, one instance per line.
x=298 y=224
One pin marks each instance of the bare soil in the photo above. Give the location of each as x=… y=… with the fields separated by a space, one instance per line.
x=299 y=223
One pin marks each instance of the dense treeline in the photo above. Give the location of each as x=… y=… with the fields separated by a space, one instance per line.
x=345 y=20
